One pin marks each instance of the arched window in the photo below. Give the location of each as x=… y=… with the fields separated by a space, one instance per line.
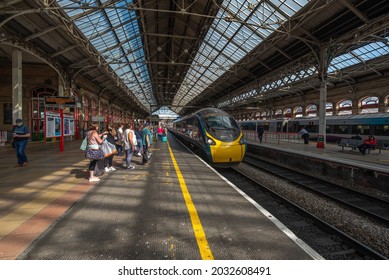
x=93 y=108
x=298 y=112
x=288 y=113
x=345 y=107
x=278 y=114
x=38 y=110
x=85 y=106
x=369 y=105
x=311 y=110
x=264 y=115
x=329 y=109
x=101 y=109
x=387 y=103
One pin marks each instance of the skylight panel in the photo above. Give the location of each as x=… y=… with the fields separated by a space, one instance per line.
x=233 y=39
x=113 y=33
x=372 y=51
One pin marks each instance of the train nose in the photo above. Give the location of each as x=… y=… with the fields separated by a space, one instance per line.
x=228 y=153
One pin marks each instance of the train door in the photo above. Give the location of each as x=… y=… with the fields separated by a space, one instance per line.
x=281 y=126
x=38 y=111
x=293 y=126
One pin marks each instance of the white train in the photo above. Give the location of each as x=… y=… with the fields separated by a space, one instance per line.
x=337 y=126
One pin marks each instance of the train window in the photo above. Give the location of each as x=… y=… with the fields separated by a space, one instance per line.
x=341 y=129
x=248 y=126
x=312 y=128
x=361 y=129
x=222 y=127
x=197 y=135
x=382 y=130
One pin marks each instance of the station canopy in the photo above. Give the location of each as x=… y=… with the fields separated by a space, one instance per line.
x=190 y=54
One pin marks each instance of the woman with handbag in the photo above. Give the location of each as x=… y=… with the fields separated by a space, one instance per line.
x=119 y=140
x=94 y=153
x=108 y=160
x=129 y=145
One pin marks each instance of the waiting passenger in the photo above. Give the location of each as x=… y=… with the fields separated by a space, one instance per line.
x=305 y=135
x=369 y=143
x=129 y=145
x=147 y=141
x=357 y=137
x=260 y=131
x=138 y=134
x=111 y=139
x=119 y=140
x=160 y=133
x=94 y=153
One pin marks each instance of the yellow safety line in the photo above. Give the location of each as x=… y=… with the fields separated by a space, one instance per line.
x=202 y=243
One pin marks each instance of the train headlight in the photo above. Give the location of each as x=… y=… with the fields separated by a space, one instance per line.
x=210 y=142
x=242 y=141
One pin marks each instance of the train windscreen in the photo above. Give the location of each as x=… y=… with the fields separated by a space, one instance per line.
x=222 y=127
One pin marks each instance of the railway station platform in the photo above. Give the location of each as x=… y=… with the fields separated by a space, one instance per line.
x=173 y=208
x=348 y=167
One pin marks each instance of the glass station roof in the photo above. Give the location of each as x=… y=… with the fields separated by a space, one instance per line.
x=114 y=32
x=239 y=26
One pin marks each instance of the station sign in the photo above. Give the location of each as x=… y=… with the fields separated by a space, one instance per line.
x=60 y=100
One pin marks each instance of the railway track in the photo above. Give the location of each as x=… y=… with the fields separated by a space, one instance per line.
x=370 y=206
x=327 y=238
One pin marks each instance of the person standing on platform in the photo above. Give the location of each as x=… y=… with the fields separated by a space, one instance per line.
x=147 y=140
x=305 y=135
x=108 y=161
x=129 y=145
x=21 y=135
x=94 y=153
x=260 y=131
x=160 y=133
x=138 y=134
x=120 y=138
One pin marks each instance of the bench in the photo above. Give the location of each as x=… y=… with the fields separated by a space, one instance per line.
x=382 y=145
x=354 y=143
x=349 y=143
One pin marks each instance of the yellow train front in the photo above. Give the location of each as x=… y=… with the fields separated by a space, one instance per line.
x=214 y=135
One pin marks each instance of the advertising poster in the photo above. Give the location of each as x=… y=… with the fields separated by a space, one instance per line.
x=53 y=125
x=68 y=126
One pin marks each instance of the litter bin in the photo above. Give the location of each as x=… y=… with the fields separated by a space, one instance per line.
x=320 y=141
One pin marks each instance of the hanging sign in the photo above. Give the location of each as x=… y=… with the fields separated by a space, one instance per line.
x=60 y=100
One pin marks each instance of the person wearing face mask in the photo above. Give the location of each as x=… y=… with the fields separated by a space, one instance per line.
x=21 y=135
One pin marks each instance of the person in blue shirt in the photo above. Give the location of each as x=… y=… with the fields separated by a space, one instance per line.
x=21 y=135
x=147 y=140
x=305 y=135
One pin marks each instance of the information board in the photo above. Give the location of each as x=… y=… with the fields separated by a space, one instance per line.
x=53 y=125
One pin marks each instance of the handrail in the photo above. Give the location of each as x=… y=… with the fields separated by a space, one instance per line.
x=273 y=137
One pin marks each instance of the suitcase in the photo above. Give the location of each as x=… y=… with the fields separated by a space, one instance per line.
x=163 y=138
